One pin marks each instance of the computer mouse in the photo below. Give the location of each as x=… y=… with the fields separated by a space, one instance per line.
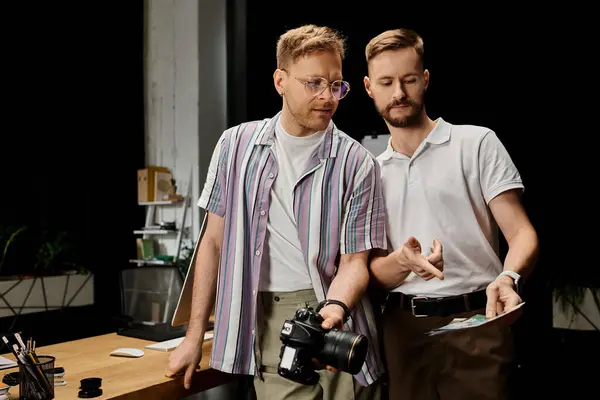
x=127 y=352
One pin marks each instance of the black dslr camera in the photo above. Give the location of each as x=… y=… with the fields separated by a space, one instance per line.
x=304 y=339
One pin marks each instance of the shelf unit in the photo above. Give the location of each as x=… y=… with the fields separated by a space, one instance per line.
x=149 y=229
x=154 y=231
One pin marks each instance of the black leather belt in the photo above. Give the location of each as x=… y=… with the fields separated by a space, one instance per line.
x=422 y=306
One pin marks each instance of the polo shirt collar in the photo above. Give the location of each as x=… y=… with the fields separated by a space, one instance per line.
x=439 y=134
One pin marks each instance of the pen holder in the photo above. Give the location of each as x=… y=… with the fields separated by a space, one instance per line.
x=35 y=380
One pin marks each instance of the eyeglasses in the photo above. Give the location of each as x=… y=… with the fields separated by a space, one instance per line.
x=316 y=86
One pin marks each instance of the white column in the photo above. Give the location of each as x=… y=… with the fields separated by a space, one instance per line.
x=186 y=72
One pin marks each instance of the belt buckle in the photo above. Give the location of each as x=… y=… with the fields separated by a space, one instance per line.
x=413 y=306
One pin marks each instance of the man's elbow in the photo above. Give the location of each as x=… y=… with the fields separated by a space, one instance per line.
x=213 y=246
x=213 y=237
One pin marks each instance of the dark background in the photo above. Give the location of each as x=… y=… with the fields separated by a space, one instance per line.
x=73 y=134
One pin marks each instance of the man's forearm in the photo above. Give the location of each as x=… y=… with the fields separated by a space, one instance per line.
x=350 y=283
x=386 y=272
x=522 y=252
x=205 y=286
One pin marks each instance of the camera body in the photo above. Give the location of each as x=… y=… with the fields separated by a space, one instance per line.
x=304 y=338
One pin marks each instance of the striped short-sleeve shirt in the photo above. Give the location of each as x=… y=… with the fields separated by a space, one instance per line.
x=339 y=209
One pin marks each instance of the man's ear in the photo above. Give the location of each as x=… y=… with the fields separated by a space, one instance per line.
x=367 y=83
x=426 y=77
x=278 y=81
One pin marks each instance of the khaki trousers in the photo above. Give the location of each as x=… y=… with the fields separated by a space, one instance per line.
x=472 y=364
x=277 y=307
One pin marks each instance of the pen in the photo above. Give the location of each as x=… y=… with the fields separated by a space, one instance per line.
x=40 y=372
x=18 y=337
x=11 y=347
x=29 y=347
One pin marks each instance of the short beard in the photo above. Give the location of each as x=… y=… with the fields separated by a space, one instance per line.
x=304 y=120
x=409 y=120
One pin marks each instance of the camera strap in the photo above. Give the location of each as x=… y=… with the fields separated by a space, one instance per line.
x=327 y=302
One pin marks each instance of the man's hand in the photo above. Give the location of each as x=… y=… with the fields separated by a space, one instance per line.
x=501 y=296
x=427 y=267
x=333 y=316
x=185 y=359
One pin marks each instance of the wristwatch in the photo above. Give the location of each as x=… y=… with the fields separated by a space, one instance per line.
x=516 y=277
x=327 y=302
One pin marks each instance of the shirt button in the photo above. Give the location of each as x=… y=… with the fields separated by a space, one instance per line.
x=262 y=212
x=254 y=292
x=271 y=175
x=257 y=252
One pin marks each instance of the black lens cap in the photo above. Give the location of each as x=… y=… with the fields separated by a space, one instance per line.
x=89 y=393
x=90 y=388
x=90 y=383
x=11 y=379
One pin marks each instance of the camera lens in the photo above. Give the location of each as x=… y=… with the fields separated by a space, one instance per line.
x=345 y=351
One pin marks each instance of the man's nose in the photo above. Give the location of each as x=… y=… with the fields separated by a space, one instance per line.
x=399 y=92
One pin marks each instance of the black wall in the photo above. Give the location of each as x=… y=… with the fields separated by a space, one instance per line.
x=73 y=135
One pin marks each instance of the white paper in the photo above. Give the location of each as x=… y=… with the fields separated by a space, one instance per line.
x=7 y=363
x=472 y=322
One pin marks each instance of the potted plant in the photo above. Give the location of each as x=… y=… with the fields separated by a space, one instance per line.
x=39 y=272
x=576 y=304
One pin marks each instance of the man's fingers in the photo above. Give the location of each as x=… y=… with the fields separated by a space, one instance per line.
x=328 y=323
x=435 y=259
x=437 y=246
x=319 y=365
x=500 y=308
x=187 y=380
x=512 y=302
x=413 y=243
x=173 y=370
x=169 y=373
x=428 y=268
x=492 y=300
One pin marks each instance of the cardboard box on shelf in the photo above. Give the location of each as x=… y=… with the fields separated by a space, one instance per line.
x=162 y=185
x=147 y=182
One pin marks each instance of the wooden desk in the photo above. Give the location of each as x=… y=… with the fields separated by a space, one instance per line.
x=123 y=378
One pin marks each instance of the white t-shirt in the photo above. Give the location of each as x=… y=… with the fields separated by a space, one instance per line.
x=283 y=268
x=442 y=192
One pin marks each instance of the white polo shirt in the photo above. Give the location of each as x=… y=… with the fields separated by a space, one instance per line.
x=442 y=192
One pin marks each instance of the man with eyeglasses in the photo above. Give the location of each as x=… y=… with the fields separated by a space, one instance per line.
x=294 y=206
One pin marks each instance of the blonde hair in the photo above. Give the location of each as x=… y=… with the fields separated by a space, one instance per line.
x=394 y=40
x=307 y=39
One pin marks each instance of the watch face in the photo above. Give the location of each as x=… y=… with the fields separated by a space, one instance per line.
x=518 y=286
